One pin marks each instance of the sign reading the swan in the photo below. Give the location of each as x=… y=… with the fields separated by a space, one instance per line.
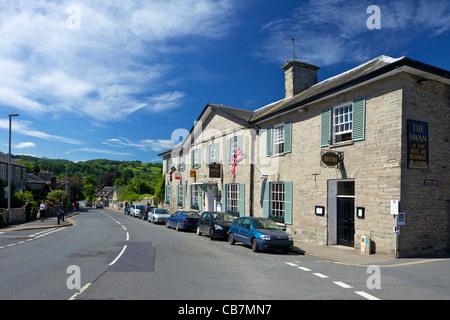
x=417 y=144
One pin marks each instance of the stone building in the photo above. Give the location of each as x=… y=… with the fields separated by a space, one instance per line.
x=18 y=172
x=333 y=161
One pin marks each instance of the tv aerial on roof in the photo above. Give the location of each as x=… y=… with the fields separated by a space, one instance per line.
x=294 y=58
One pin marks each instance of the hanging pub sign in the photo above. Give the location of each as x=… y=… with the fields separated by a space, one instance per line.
x=214 y=170
x=417 y=144
x=331 y=158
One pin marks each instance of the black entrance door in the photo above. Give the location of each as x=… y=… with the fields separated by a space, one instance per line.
x=346 y=221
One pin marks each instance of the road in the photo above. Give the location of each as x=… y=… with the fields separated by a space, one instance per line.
x=123 y=258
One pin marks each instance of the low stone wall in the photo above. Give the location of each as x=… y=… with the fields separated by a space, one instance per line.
x=17 y=215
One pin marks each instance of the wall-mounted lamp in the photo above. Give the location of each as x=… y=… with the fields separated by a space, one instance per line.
x=319 y=210
x=360 y=212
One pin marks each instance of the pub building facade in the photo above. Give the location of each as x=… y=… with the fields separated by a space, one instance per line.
x=362 y=155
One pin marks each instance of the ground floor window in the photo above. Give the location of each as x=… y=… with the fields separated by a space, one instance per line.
x=233 y=199
x=168 y=194
x=195 y=197
x=180 y=198
x=277 y=198
x=277 y=201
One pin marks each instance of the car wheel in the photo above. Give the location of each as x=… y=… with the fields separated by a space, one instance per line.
x=199 y=233
x=255 y=245
x=231 y=239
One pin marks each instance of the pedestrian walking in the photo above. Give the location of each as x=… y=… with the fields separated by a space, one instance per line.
x=42 y=210
x=28 y=207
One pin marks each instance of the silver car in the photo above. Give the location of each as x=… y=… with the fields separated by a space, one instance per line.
x=158 y=215
x=135 y=209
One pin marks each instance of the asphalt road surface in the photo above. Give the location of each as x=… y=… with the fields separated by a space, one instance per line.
x=107 y=255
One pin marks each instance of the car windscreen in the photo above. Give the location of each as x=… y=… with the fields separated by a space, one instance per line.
x=265 y=224
x=190 y=214
x=223 y=217
x=162 y=211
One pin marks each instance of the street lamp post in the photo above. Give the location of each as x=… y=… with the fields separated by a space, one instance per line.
x=9 y=169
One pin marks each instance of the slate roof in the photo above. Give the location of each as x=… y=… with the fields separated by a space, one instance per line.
x=4 y=159
x=358 y=75
x=32 y=178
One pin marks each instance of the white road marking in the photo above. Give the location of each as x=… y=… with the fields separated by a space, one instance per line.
x=342 y=284
x=80 y=292
x=320 y=275
x=291 y=264
x=366 y=295
x=304 y=269
x=120 y=254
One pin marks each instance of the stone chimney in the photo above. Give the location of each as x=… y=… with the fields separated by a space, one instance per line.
x=298 y=76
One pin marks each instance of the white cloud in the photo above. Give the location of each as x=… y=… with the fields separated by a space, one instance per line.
x=110 y=66
x=23 y=145
x=24 y=128
x=102 y=151
x=332 y=31
x=143 y=145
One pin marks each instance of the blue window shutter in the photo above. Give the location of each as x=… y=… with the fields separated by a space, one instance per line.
x=288 y=202
x=192 y=159
x=208 y=150
x=190 y=196
x=240 y=142
x=241 y=199
x=216 y=150
x=266 y=200
x=359 y=119
x=177 y=195
x=269 y=142
x=170 y=194
x=227 y=151
x=199 y=157
x=325 y=127
x=224 y=198
x=287 y=136
x=183 y=187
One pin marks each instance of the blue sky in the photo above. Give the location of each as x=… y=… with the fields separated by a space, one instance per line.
x=114 y=79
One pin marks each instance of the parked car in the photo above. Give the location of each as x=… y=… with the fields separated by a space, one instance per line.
x=144 y=214
x=215 y=224
x=88 y=204
x=158 y=215
x=260 y=233
x=183 y=220
x=99 y=205
x=135 y=209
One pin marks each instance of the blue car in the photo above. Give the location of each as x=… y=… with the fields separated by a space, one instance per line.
x=260 y=233
x=183 y=220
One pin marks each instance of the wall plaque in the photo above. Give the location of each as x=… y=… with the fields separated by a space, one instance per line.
x=331 y=159
x=214 y=170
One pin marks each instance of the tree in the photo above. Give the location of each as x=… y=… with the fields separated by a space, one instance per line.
x=160 y=189
x=56 y=195
x=89 y=192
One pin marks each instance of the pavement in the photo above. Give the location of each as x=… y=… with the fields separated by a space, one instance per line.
x=49 y=222
x=335 y=253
